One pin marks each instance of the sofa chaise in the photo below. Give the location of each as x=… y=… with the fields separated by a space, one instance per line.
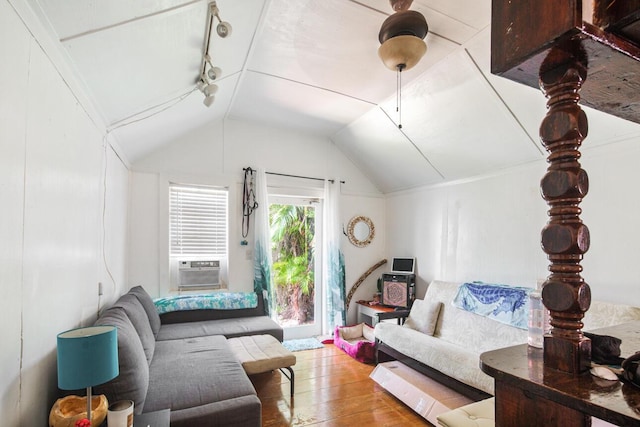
x=183 y=362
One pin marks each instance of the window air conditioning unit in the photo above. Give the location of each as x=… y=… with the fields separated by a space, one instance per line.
x=198 y=274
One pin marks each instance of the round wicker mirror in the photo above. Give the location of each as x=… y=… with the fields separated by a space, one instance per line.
x=360 y=231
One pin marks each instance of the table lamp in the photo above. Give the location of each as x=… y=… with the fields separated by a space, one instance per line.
x=87 y=357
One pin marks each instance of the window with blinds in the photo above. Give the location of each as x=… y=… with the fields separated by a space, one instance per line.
x=198 y=221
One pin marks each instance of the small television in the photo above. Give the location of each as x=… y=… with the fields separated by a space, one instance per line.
x=403 y=265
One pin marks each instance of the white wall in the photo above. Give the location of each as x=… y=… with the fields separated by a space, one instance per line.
x=216 y=155
x=13 y=85
x=489 y=229
x=52 y=164
x=359 y=260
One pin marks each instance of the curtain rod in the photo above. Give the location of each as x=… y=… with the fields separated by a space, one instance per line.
x=298 y=176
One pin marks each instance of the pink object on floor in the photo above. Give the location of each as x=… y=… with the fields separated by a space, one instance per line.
x=357 y=341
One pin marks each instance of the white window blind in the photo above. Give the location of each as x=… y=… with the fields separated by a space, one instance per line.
x=198 y=220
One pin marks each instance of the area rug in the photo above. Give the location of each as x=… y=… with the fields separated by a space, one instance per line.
x=302 y=344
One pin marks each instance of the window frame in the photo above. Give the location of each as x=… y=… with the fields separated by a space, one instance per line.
x=218 y=248
x=166 y=267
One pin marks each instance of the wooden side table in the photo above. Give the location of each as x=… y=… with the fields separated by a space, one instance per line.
x=528 y=393
x=150 y=419
x=369 y=314
x=153 y=419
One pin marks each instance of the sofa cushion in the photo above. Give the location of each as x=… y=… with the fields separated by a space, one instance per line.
x=261 y=353
x=182 y=316
x=133 y=380
x=424 y=316
x=140 y=321
x=193 y=372
x=149 y=308
x=477 y=414
x=455 y=361
x=468 y=330
x=243 y=411
x=602 y=314
x=230 y=328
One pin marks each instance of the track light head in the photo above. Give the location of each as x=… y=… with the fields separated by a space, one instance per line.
x=214 y=73
x=224 y=29
x=210 y=89
x=209 y=73
x=208 y=100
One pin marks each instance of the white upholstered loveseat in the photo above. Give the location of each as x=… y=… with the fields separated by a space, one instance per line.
x=451 y=353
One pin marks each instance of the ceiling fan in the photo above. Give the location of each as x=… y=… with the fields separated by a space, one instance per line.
x=401 y=37
x=402 y=43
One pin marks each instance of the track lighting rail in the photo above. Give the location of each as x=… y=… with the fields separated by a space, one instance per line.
x=209 y=73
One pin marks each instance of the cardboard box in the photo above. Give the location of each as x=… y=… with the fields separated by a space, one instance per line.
x=424 y=395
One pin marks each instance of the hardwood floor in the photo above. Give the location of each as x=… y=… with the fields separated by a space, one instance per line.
x=331 y=389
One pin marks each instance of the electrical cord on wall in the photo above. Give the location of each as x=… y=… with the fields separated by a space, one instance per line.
x=105 y=145
x=163 y=107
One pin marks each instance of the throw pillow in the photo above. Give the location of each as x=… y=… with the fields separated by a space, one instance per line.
x=149 y=308
x=133 y=381
x=424 y=316
x=140 y=321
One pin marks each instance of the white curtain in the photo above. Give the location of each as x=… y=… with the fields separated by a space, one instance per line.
x=333 y=260
x=262 y=280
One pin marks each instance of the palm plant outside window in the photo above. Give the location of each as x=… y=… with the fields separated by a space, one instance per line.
x=293 y=249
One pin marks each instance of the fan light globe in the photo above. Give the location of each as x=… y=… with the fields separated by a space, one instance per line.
x=402 y=52
x=401 y=39
x=398 y=5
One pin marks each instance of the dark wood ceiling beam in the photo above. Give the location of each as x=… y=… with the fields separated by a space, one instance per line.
x=523 y=33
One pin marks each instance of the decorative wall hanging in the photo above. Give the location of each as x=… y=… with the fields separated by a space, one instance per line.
x=360 y=231
x=362 y=278
x=249 y=203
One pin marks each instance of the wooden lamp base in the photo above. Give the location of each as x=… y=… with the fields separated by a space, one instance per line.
x=69 y=409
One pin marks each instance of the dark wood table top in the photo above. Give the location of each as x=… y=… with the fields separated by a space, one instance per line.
x=613 y=401
x=379 y=307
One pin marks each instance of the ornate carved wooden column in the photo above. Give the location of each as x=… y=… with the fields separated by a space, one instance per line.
x=565 y=238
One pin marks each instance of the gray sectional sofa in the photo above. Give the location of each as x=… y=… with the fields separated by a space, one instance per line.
x=182 y=361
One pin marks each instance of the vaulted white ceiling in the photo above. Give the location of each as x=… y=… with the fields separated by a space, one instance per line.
x=310 y=65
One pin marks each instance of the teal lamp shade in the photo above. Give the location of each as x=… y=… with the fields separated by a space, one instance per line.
x=87 y=357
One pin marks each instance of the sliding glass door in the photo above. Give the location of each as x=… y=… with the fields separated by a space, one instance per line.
x=296 y=232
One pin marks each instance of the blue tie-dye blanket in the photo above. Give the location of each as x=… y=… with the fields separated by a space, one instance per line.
x=217 y=301
x=505 y=304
